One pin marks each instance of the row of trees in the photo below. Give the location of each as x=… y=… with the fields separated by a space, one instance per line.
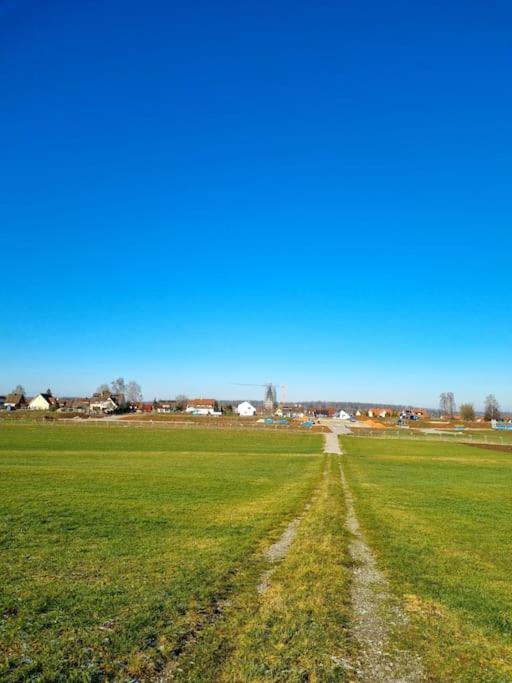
x=448 y=407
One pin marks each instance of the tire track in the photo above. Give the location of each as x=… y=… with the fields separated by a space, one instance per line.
x=375 y=613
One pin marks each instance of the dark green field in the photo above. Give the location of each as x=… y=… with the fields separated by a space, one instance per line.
x=440 y=519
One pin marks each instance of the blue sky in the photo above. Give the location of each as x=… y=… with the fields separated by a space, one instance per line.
x=315 y=194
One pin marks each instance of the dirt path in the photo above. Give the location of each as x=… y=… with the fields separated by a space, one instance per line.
x=277 y=551
x=375 y=613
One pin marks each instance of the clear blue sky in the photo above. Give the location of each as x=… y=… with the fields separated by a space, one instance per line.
x=317 y=194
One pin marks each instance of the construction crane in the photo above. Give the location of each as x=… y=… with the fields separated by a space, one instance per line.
x=269 y=394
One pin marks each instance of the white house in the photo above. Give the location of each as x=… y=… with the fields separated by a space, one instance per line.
x=43 y=402
x=201 y=406
x=342 y=415
x=103 y=403
x=246 y=409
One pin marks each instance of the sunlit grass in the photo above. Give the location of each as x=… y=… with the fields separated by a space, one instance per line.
x=114 y=540
x=440 y=518
x=299 y=629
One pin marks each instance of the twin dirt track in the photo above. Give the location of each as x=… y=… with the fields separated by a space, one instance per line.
x=375 y=614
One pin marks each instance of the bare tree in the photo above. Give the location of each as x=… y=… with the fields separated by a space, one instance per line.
x=133 y=392
x=19 y=390
x=447 y=404
x=103 y=389
x=181 y=402
x=492 y=408
x=452 y=406
x=467 y=411
x=118 y=386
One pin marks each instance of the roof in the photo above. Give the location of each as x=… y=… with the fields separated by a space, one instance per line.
x=14 y=398
x=202 y=402
x=51 y=400
x=103 y=399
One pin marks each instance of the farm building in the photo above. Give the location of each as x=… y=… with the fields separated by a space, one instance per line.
x=14 y=402
x=246 y=409
x=43 y=401
x=201 y=406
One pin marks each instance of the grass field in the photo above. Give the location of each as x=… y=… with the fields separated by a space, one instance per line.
x=482 y=436
x=439 y=517
x=122 y=548
x=132 y=553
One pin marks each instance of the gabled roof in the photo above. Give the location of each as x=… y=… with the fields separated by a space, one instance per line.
x=51 y=400
x=201 y=403
x=102 y=398
x=15 y=399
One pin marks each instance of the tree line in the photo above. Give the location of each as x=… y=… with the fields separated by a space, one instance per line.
x=448 y=407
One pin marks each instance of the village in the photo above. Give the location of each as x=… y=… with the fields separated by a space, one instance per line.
x=106 y=402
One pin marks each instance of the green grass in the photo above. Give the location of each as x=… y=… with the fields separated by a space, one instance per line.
x=298 y=630
x=483 y=436
x=439 y=516
x=116 y=541
x=124 y=437
x=491 y=436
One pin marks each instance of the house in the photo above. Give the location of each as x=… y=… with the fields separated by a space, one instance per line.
x=414 y=414
x=105 y=402
x=202 y=406
x=379 y=412
x=165 y=406
x=295 y=410
x=143 y=406
x=44 y=401
x=246 y=409
x=322 y=411
x=422 y=413
x=15 y=402
x=342 y=415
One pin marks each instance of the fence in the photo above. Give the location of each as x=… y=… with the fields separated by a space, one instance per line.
x=413 y=435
